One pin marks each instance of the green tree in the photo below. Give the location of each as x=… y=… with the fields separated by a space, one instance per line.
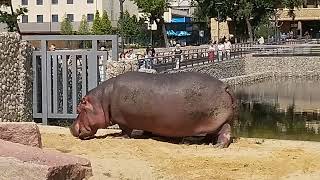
x=128 y=26
x=249 y=12
x=66 y=26
x=96 y=26
x=106 y=27
x=84 y=30
x=11 y=18
x=84 y=26
x=155 y=9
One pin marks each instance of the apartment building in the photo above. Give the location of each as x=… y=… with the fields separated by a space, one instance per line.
x=307 y=19
x=44 y=16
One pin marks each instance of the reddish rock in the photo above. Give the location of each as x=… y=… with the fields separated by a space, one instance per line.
x=25 y=162
x=22 y=133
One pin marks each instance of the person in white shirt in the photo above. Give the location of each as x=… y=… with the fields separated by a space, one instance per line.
x=261 y=40
x=227 y=46
x=220 y=51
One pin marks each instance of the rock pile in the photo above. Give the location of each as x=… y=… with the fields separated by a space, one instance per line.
x=115 y=68
x=21 y=156
x=22 y=133
x=25 y=162
x=15 y=78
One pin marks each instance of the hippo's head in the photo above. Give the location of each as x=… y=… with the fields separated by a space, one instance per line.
x=90 y=118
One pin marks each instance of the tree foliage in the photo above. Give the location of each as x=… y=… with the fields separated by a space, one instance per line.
x=66 y=26
x=96 y=27
x=11 y=18
x=131 y=28
x=105 y=23
x=154 y=9
x=101 y=25
x=249 y=12
x=84 y=26
x=128 y=25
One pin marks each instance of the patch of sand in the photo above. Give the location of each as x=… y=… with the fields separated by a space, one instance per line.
x=118 y=158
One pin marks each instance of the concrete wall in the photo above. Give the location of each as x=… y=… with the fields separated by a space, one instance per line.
x=15 y=79
x=251 y=69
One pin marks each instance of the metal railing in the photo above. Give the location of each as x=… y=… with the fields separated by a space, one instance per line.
x=286 y=50
x=192 y=57
x=168 y=60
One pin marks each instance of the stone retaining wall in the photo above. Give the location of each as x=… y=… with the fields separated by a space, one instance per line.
x=252 y=69
x=115 y=68
x=15 y=79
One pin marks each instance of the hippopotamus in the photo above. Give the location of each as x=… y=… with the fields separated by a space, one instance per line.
x=171 y=105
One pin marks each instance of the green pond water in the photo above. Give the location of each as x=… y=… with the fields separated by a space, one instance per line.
x=280 y=109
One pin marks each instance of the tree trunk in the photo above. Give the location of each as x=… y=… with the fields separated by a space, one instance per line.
x=249 y=29
x=15 y=18
x=164 y=31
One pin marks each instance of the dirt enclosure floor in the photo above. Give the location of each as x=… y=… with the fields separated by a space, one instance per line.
x=147 y=159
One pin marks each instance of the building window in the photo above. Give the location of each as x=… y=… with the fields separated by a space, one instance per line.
x=39 y=2
x=54 y=1
x=70 y=17
x=39 y=18
x=310 y=4
x=90 y=1
x=69 y=1
x=24 y=2
x=55 y=18
x=24 y=19
x=90 y=17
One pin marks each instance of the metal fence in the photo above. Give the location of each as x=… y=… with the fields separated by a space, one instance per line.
x=189 y=58
x=169 y=60
x=62 y=77
x=286 y=50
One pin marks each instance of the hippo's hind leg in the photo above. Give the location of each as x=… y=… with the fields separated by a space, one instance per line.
x=224 y=137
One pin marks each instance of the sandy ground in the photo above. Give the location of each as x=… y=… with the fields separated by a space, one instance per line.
x=118 y=158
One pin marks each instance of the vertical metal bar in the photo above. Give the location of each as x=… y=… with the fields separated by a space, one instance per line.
x=64 y=84
x=35 y=85
x=115 y=48
x=44 y=75
x=49 y=80
x=74 y=83
x=84 y=75
x=55 y=84
x=93 y=67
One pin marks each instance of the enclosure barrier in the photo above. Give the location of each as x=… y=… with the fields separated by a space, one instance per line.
x=62 y=77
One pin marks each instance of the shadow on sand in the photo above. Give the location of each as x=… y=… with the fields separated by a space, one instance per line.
x=194 y=140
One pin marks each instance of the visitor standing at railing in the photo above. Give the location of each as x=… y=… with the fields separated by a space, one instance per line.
x=178 y=55
x=211 y=51
x=227 y=46
x=220 y=50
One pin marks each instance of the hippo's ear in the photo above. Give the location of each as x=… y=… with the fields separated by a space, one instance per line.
x=85 y=104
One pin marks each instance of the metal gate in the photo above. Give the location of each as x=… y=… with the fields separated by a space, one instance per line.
x=62 y=77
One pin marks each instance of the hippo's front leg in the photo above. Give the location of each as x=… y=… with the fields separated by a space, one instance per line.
x=224 y=137
x=126 y=132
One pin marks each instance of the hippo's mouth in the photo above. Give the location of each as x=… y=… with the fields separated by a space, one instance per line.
x=84 y=134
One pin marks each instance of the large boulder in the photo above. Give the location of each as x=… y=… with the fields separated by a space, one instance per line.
x=21 y=132
x=21 y=162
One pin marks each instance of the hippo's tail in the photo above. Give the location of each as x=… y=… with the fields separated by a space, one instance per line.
x=235 y=106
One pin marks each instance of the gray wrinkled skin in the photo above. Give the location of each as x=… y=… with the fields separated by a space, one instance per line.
x=174 y=105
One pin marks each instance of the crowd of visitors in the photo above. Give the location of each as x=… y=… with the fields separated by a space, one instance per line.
x=220 y=51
